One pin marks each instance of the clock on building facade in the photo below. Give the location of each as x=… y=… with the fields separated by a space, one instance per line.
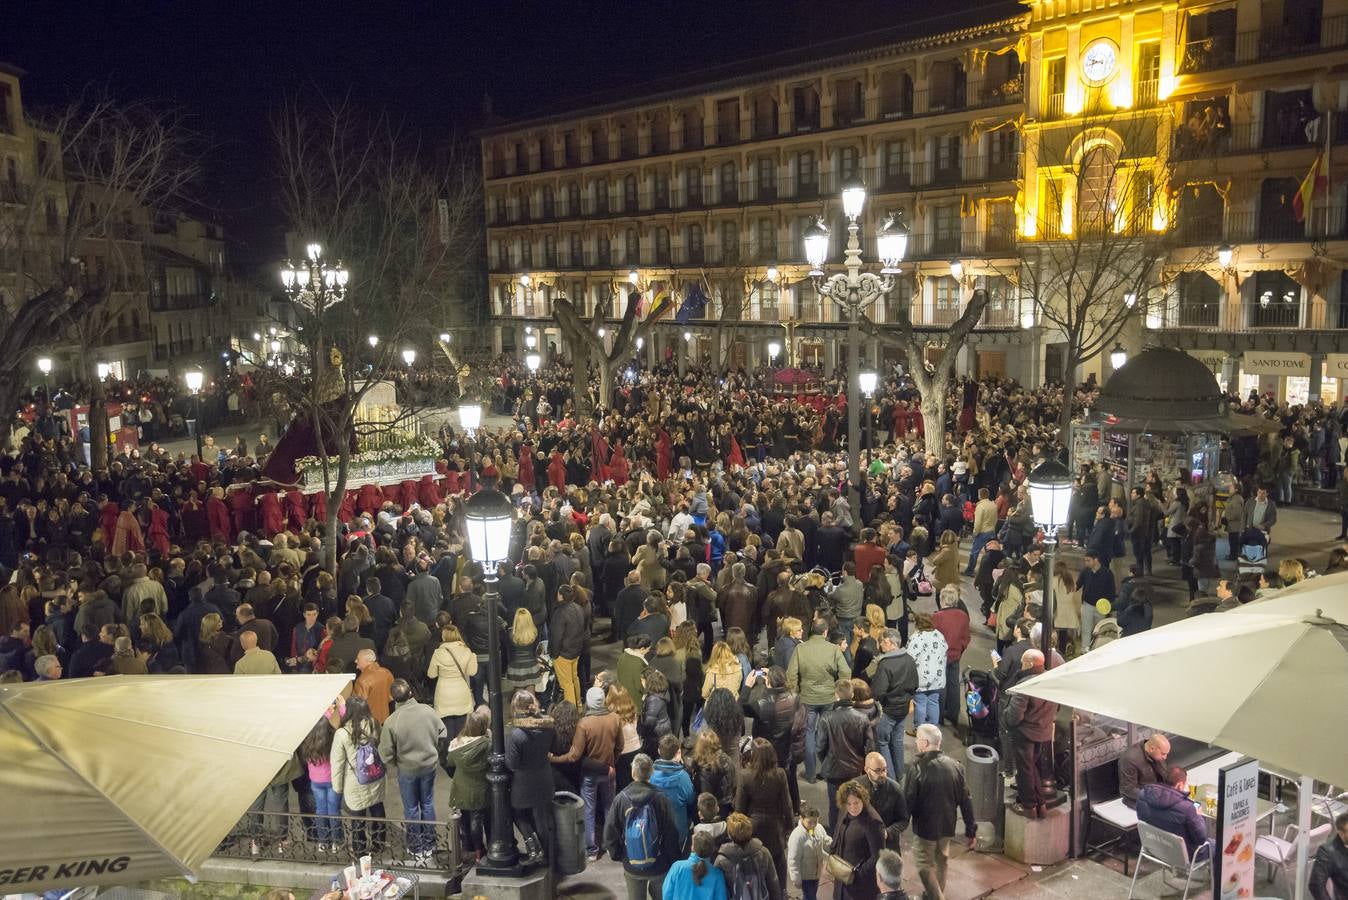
x=1099 y=62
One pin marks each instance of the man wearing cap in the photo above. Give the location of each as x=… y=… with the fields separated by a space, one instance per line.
x=598 y=741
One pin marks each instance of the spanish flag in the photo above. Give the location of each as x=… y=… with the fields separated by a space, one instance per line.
x=1315 y=182
x=659 y=303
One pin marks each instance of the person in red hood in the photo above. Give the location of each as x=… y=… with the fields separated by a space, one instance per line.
x=527 y=466
x=273 y=519
x=557 y=471
x=664 y=454
x=159 y=534
x=217 y=516
x=617 y=466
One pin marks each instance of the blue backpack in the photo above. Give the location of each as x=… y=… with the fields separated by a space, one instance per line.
x=641 y=835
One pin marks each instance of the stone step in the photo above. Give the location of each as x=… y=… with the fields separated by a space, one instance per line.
x=1038 y=842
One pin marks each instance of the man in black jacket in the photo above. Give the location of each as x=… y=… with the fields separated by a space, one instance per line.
x=1331 y=863
x=643 y=880
x=845 y=736
x=1142 y=764
x=1030 y=722
x=887 y=798
x=830 y=543
x=934 y=788
x=893 y=686
x=567 y=640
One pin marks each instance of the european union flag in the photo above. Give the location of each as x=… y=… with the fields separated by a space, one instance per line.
x=694 y=304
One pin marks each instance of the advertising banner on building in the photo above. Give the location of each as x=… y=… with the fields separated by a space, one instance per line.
x=1237 y=811
x=1336 y=365
x=1257 y=362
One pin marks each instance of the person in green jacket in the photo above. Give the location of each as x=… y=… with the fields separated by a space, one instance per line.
x=466 y=763
x=815 y=667
x=632 y=666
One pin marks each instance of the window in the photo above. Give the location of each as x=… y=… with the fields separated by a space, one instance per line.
x=521 y=157
x=526 y=252
x=576 y=251
x=1277 y=216
x=1200 y=216
x=896 y=94
x=6 y=109
x=847 y=163
x=730 y=242
x=727 y=121
x=1001 y=225
x=767 y=178
x=524 y=206
x=1096 y=202
x=1003 y=153
x=946 y=308
x=601 y=197
x=849 y=105
x=947 y=159
x=1148 y=74
x=692 y=130
x=945 y=229
x=1200 y=299
x=598 y=144
x=545 y=152
x=500 y=213
x=43 y=157
x=807 y=180
x=573 y=199
x=630 y=193
x=729 y=183
x=804 y=108
x=660 y=132
x=896 y=164
x=1277 y=301
x=603 y=250
x=692 y=179
x=1055 y=86
x=662 y=246
x=550 y=251
x=767 y=240
x=502 y=255
x=765 y=116
x=627 y=139
x=569 y=149
x=631 y=246
x=694 y=242
x=549 y=203
x=769 y=298
x=662 y=190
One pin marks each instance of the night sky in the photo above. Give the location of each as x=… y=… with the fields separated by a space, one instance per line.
x=227 y=63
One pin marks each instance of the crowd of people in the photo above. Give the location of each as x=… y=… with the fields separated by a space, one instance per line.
x=768 y=629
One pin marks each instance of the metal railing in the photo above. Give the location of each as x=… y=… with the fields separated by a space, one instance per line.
x=1231 y=48
x=338 y=840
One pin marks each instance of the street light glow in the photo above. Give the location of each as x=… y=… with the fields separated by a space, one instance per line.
x=532 y=360
x=773 y=349
x=866 y=380
x=853 y=198
x=374 y=341
x=194 y=378
x=44 y=365
x=409 y=356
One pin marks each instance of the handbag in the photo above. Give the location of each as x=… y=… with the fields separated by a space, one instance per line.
x=842 y=871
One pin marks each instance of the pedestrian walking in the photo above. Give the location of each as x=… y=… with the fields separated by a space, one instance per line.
x=934 y=787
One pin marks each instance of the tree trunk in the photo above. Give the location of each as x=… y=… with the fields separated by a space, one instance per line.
x=98 y=420
x=334 y=506
x=580 y=380
x=1069 y=385
x=606 y=372
x=933 y=415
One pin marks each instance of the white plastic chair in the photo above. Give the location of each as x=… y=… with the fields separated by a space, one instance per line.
x=1167 y=850
x=1281 y=851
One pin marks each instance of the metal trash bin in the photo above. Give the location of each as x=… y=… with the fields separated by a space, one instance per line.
x=454 y=840
x=568 y=813
x=981 y=767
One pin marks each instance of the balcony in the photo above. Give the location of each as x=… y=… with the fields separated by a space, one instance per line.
x=1146 y=93
x=1223 y=50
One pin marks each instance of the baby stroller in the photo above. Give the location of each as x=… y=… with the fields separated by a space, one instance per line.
x=980 y=702
x=1253 y=552
x=546 y=689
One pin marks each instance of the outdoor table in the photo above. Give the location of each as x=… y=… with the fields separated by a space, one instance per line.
x=412 y=890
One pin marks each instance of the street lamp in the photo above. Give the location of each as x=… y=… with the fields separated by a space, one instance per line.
x=195 y=378
x=44 y=366
x=1224 y=255
x=1050 y=487
x=444 y=337
x=633 y=277
x=275 y=346
x=103 y=370
x=773 y=274
x=532 y=360
x=853 y=291
x=531 y=340
x=313 y=282
x=773 y=349
x=470 y=417
x=409 y=356
x=488 y=517
x=257 y=335
x=1117 y=357
x=867 y=380
x=374 y=341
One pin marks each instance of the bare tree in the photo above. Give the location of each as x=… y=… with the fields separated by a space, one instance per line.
x=98 y=164
x=1103 y=237
x=932 y=384
x=583 y=335
x=403 y=227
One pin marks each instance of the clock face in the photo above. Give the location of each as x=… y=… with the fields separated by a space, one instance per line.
x=1099 y=61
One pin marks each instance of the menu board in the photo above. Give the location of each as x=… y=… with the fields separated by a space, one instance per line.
x=1085 y=445
x=1237 y=814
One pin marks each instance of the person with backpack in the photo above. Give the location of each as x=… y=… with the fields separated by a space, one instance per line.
x=762 y=796
x=747 y=865
x=358 y=775
x=640 y=832
x=696 y=878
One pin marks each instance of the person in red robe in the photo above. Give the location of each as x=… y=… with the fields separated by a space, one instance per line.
x=273 y=519
x=453 y=482
x=598 y=457
x=107 y=520
x=429 y=491
x=617 y=466
x=371 y=498
x=159 y=533
x=193 y=516
x=409 y=493
x=664 y=454
x=240 y=502
x=527 y=467
x=297 y=509
x=347 y=511
x=217 y=516
x=917 y=423
x=128 y=536
x=200 y=470
x=735 y=458
x=557 y=471
x=901 y=416
x=318 y=504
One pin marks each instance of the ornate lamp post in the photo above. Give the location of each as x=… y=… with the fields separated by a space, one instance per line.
x=470 y=417
x=854 y=290
x=532 y=360
x=1050 y=487
x=1117 y=357
x=314 y=283
x=867 y=381
x=488 y=516
x=409 y=357
x=774 y=348
x=195 y=378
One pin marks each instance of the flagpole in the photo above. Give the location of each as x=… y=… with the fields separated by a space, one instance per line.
x=1329 y=185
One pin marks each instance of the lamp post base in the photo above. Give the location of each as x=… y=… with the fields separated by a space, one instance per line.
x=522 y=884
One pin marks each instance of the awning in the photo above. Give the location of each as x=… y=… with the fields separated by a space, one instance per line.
x=1231 y=423
x=126 y=778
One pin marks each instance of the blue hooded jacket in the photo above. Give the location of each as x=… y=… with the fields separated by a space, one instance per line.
x=671 y=779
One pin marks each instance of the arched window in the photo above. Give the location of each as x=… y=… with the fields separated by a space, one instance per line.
x=1096 y=200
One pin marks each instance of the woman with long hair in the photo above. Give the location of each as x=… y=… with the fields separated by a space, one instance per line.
x=452 y=665
x=157 y=641
x=738 y=642
x=213 y=647
x=762 y=795
x=858 y=839
x=565 y=721
x=522 y=668
x=526 y=755
x=723 y=715
x=466 y=763
x=316 y=754
x=619 y=701
x=356 y=607
x=696 y=878
x=666 y=662
x=928 y=649
x=723 y=670
x=1066 y=611
x=712 y=771
x=360 y=801
x=657 y=715
x=688 y=651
